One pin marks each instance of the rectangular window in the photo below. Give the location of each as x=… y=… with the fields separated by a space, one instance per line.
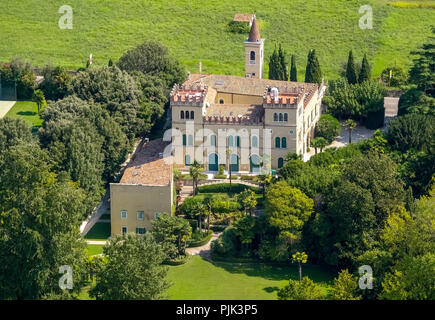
x=156 y=215
x=124 y=214
x=124 y=230
x=140 y=215
x=140 y=230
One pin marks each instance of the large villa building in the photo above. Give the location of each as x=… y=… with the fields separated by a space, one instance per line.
x=248 y=123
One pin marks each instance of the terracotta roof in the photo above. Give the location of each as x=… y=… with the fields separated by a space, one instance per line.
x=234 y=110
x=243 y=17
x=248 y=86
x=148 y=167
x=254 y=35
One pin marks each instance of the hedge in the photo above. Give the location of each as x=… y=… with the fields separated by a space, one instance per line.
x=178 y=261
x=201 y=242
x=224 y=188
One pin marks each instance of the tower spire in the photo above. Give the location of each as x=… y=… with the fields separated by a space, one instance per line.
x=254 y=34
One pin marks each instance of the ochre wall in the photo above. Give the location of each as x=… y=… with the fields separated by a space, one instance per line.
x=133 y=198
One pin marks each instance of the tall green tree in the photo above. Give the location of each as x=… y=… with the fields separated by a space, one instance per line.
x=13 y=132
x=287 y=209
x=365 y=72
x=172 y=233
x=313 y=73
x=39 y=227
x=351 y=74
x=293 y=69
x=282 y=65
x=133 y=270
x=153 y=58
x=422 y=72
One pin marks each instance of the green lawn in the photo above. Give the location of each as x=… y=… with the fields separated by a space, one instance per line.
x=197 y=30
x=200 y=279
x=94 y=249
x=26 y=110
x=100 y=231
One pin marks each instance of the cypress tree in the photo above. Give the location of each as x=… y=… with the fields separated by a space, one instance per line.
x=309 y=68
x=364 y=73
x=282 y=66
x=293 y=70
x=110 y=64
x=351 y=70
x=273 y=72
x=317 y=72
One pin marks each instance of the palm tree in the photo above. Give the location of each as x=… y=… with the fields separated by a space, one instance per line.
x=320 y=143
x=209 y=201
x=350 y=124
x=39 y=99
x=199 y=209
x=300 y=257
x=247 y=200
x=264 y=180
x=195 y=170
x=228 y=152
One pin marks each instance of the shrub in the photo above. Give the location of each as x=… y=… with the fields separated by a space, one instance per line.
x=300 y=290
x=238 y=27
x=375 y=119
x=220 y=176
x=411 y=131
x=328 y=127
x=399 y=76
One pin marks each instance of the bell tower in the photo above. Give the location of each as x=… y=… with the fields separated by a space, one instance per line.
x=254 y=53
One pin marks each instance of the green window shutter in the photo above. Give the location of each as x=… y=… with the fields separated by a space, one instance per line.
x=284 y=143
x=184 y=139
x=277 y=143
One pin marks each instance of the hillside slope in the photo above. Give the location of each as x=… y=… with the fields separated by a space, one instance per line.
x=197 y=30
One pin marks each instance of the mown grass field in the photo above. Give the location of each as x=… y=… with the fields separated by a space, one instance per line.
x=201 y=279
x=26 y=110
x=197 y=30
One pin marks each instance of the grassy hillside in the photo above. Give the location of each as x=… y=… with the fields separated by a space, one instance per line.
x=197 y=30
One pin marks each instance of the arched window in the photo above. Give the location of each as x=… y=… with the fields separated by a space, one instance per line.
x=182 y=114
x=277 y=142
x=284 y=143
x=285 y=117
x=221 y=101
x=192 y=115
x=190 y=140
x=187 y=114
x=254 y=142
x=280 y=117
x=187 y=160
x=252 y=57
x=230 y=141
x=275 y=117
x=280 y=163
x=213 y=140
